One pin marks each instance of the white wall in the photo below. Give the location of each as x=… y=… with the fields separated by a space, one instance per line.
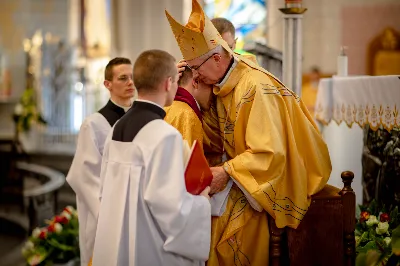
x=20 y=19
x=142 y=25
x=322 y=29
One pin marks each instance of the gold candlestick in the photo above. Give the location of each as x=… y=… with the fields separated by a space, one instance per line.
x=293 y=7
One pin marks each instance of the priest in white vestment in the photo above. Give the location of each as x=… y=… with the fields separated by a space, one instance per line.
x=84 y=173
x=146 y=215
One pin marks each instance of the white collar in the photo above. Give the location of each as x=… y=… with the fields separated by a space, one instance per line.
x=235 y=62
x=147 y=101
x=198 y=105
x=120 y=106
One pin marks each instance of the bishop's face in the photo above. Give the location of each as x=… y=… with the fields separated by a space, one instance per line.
x=207 y=69
x=121 y=85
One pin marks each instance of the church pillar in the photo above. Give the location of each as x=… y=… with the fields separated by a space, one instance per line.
x=292 y=44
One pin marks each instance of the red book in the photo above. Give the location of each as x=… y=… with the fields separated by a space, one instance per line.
x=197 y=174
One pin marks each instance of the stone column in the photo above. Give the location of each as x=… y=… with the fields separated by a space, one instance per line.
x=292 y=44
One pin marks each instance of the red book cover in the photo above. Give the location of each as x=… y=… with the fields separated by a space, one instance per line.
x=197 y=174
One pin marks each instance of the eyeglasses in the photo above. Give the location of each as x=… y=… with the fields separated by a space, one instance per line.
x=197 y=67
x=124 y=78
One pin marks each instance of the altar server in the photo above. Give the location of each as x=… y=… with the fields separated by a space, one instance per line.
x=84 y=174
x=185 y=113
x=146 y=215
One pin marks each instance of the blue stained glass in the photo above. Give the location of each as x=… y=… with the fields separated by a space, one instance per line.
x=248 y=16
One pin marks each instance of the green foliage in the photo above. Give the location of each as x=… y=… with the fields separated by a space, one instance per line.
x=26 y=113
x=377 y=235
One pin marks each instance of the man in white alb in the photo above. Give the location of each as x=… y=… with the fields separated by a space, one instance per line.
x=84 y=174
x=146 y=215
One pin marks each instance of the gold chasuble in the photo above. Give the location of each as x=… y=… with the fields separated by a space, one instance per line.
x=184 y=115
x=275 y=153
x=212 y=141
x=183 y=118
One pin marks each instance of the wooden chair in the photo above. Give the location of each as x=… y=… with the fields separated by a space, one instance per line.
x=325 y=236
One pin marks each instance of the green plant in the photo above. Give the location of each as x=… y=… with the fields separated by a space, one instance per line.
x=377 y=235
x=26 y=113
x=56 y=243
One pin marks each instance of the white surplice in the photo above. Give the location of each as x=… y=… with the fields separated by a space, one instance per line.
x=83 y=177
x=146 y=216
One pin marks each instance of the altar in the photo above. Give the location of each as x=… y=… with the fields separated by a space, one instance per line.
x=346 y=109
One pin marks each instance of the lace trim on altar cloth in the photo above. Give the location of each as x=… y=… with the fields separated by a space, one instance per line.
x=372 y=115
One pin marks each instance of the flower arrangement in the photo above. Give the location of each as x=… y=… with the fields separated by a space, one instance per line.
x=26 y=113
x=377 y=235
x=56 y=243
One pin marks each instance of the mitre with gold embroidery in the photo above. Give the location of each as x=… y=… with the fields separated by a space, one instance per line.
x=198 y=36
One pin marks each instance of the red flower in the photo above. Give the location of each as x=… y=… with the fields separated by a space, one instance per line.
x=51 y=228
x=61 y=219
x=58 y=219
x=54 y=228
x=43 y=234
x=364 y=216
x=384 y=217
x=67 y=210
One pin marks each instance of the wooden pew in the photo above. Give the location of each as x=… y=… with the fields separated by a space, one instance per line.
x=325 y=236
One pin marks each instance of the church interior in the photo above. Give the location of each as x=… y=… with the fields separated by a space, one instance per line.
x=341 y=57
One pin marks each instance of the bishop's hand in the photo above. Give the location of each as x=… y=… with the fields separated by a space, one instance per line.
x=181 y=66
x=220 y=179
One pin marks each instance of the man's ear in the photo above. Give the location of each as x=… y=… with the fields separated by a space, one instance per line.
x=168 y=84
x=195 y=82
x=107 y=84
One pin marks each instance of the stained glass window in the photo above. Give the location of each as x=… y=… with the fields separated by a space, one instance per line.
x=248 y=17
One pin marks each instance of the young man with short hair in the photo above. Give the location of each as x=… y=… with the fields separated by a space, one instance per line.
x=84 y=173
x=185 y=113
x=146 y=215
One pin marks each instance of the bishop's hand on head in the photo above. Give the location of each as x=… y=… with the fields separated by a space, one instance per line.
x=181 y=66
